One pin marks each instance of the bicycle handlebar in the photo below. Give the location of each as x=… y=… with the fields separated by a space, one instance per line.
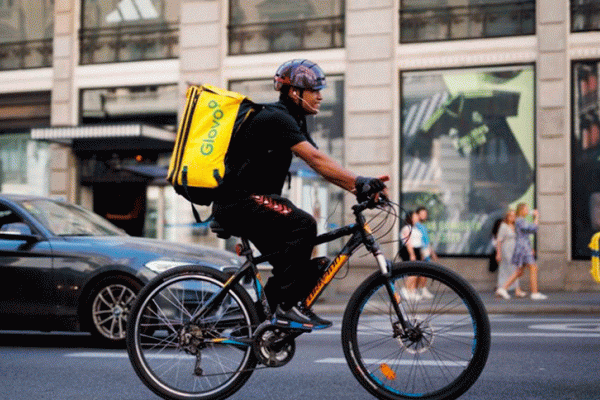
x=374 y=201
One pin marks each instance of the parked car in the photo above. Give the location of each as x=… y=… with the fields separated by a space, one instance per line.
x=63 y=267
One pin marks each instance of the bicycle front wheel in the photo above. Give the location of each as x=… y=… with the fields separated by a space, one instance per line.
x=438 y=354
x=180 y=358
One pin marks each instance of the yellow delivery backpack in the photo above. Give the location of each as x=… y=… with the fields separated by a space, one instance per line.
x=595 y=247
x=211 y=119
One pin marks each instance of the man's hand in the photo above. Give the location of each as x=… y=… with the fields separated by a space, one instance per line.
x=366 y=187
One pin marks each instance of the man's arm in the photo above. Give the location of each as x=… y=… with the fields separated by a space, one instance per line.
x=325 y=165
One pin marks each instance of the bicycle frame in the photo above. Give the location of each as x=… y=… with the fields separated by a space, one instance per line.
x=360 y=233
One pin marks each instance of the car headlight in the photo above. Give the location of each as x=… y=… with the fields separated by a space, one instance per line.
x=159 y=266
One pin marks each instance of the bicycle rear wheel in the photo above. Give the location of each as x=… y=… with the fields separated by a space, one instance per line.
x=193 y=360
x=439 y=357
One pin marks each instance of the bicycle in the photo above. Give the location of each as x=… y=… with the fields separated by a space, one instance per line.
x=195 y=333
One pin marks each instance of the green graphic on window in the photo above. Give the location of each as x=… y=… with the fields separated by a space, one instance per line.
x=467 y=150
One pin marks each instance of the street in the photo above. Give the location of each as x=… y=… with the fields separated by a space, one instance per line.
x=532 y=357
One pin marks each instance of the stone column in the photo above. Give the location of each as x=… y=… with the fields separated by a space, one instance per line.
x=371 y=126
x=553 y=96
x=64 y=96
x=371 y=93
x=201 y=46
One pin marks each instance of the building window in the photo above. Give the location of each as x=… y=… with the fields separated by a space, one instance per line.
x=307 y=189
x=24 y=164
x=129 y=30
x=585 y=164
x=585 y=15
x=431 y=20
x=155 y=105
x=26 y=31
x=266 y=26
x=467 y=150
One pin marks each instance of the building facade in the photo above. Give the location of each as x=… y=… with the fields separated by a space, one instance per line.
x=470 y=105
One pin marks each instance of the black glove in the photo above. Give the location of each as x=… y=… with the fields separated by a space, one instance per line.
x=365 y=187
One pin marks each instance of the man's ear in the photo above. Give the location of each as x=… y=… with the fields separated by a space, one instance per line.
x=293 y=93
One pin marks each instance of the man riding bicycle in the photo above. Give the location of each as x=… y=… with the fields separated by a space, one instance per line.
x=258 y=165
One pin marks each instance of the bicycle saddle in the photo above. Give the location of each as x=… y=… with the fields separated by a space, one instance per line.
x=219 y=230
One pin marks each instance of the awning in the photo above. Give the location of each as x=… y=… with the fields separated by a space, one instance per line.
x=108 y=136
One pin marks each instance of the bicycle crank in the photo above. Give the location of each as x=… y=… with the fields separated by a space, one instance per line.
x=274 y=346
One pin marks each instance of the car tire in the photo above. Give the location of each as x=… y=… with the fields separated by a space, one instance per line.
x=108 y=308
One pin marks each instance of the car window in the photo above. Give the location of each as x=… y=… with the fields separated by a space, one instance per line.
x=68 y=220
x=7 y=218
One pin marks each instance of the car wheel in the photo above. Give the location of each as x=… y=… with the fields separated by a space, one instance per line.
x=109 y=307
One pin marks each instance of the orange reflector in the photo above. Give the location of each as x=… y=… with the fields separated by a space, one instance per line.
x=387 y=372
x=238 y=249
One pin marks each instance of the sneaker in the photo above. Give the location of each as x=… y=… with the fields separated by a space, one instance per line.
x=426 y=294
x=410 y=294
x=305 y=318
x=538 y=296
x=502 y=293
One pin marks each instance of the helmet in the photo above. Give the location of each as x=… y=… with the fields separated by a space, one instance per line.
x=299 y=73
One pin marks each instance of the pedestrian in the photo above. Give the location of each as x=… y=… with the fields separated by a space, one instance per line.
x=505 y=248
x=523 y=256
x=493 y=263
x=412 y=240
x=427 y=251
x=258 y=162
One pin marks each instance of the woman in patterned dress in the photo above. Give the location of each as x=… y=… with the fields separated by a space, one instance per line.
x=523 y=255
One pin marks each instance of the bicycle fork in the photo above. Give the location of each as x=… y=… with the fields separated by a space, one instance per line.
x=386 y=270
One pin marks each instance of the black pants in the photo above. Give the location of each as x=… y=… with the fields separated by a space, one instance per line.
x=274 y=224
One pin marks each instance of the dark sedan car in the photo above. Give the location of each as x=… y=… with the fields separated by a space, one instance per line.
x=65 y=268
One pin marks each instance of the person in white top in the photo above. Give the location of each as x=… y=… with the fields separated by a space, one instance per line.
x=412 y=240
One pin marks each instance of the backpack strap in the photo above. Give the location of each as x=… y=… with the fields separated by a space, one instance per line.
x=184 y=184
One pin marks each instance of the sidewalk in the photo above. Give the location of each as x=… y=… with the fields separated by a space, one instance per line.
x=557 y=303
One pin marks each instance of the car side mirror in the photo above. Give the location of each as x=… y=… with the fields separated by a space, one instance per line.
x=17 y=231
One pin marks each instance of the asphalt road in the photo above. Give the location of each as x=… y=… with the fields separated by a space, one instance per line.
x=532 y=357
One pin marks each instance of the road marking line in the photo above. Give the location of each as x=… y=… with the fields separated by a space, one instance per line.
x=97 y=354
x=569 y=327
x=428 y=363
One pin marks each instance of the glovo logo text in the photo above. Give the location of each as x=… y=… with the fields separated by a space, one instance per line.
x=208 y=142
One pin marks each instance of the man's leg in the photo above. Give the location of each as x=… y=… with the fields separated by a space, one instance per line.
x=275 y=224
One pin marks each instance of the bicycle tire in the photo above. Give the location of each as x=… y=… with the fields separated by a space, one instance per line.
x=161 y=349
x=442 y=361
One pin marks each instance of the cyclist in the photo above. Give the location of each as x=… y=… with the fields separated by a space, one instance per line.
x=257 y=167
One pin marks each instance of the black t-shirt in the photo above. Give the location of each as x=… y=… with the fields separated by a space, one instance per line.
x=260 y=155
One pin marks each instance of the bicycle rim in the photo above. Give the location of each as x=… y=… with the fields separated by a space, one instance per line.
x=182 y=360
x=440 y=358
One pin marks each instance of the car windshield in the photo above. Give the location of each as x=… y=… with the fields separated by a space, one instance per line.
x=69 y=220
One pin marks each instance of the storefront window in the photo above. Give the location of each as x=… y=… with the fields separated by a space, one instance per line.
x=467 y=150
x=307 y=189
x=585 y=15
x=428 y=20
x=130 y=170
x=585 y=147
x=26 y=31
x=24 y=165
x=129 y=30
x=261 y=26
